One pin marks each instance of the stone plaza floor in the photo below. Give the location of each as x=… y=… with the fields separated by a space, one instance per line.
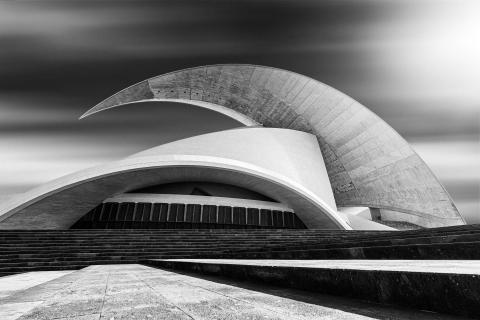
x=139 y=292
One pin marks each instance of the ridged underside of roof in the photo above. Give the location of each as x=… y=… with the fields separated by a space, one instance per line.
x=368 y=162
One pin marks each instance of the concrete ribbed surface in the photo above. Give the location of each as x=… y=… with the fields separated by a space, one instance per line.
x=368 y=163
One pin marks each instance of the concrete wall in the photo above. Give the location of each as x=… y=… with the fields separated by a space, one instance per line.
x=294 y=154
x=368 y=163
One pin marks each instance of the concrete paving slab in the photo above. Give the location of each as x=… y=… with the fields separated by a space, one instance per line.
x=113 y=292
x=447 y=286
x=12 y=311
x=18 y=282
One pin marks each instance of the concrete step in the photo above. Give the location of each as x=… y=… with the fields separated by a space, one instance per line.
x=440 y=286
x=313 y=244
x=89 y=261
x=227 y=231
x=197 y=236
x=452 y=251
x=271 y=248
x=88 y=254
x=14 y=233
x=394 y=236
x=185 y=238
x=233 y=238
x=51 y=247
x=211 y=246
x=91 y=258
x=462 y=250
x=79 y=263
x=145 y=244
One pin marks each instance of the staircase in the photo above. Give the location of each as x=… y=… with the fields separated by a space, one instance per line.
x=23 y=251
x=447 y=243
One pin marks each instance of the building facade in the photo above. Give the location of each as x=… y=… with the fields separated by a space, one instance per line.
x=309 y=156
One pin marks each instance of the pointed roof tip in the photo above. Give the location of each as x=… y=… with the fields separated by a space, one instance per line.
x=83 y=116
x=89 y=112
x=86 y=114
x=96 y=108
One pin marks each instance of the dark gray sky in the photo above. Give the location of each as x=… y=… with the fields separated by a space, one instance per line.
x=415 y=63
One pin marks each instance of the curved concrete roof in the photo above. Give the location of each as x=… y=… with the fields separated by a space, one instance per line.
x=229 y=157
x=368 y=163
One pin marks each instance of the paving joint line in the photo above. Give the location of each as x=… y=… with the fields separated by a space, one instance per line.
x=50 y=295
x=160 y=295
x=227 y=296
x=221 y=294
x=104 y=295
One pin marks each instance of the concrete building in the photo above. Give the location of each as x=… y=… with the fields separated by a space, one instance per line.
x=308 y=157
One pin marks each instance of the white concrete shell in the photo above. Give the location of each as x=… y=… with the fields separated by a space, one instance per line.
x=368 y=163
x=285 y=165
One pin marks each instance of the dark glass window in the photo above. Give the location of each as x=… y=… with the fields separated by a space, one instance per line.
x=265 y=217
x=113 y=215
x=239 y=215
x=97 y=212
x=146 y=212
x=189 y=213
x=180 y=213
x=113 y=212
x=197 y=213
x=227 y=214
x=278 y=219
x=209 y=214
x=288 y=219
x=106 y=211
x=130 y=211
x=163 y=212
x=139 y=211
x=156 y=212
x=252 y=216
x=172 y=214
x=122 y=211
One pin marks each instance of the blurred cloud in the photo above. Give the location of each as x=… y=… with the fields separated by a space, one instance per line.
x=456 y=162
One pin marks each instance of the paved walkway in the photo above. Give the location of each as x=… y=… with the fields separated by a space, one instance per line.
x=140 y=292
x=12 y=284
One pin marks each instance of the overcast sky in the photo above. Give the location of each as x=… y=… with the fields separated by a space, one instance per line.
x=415 y=63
